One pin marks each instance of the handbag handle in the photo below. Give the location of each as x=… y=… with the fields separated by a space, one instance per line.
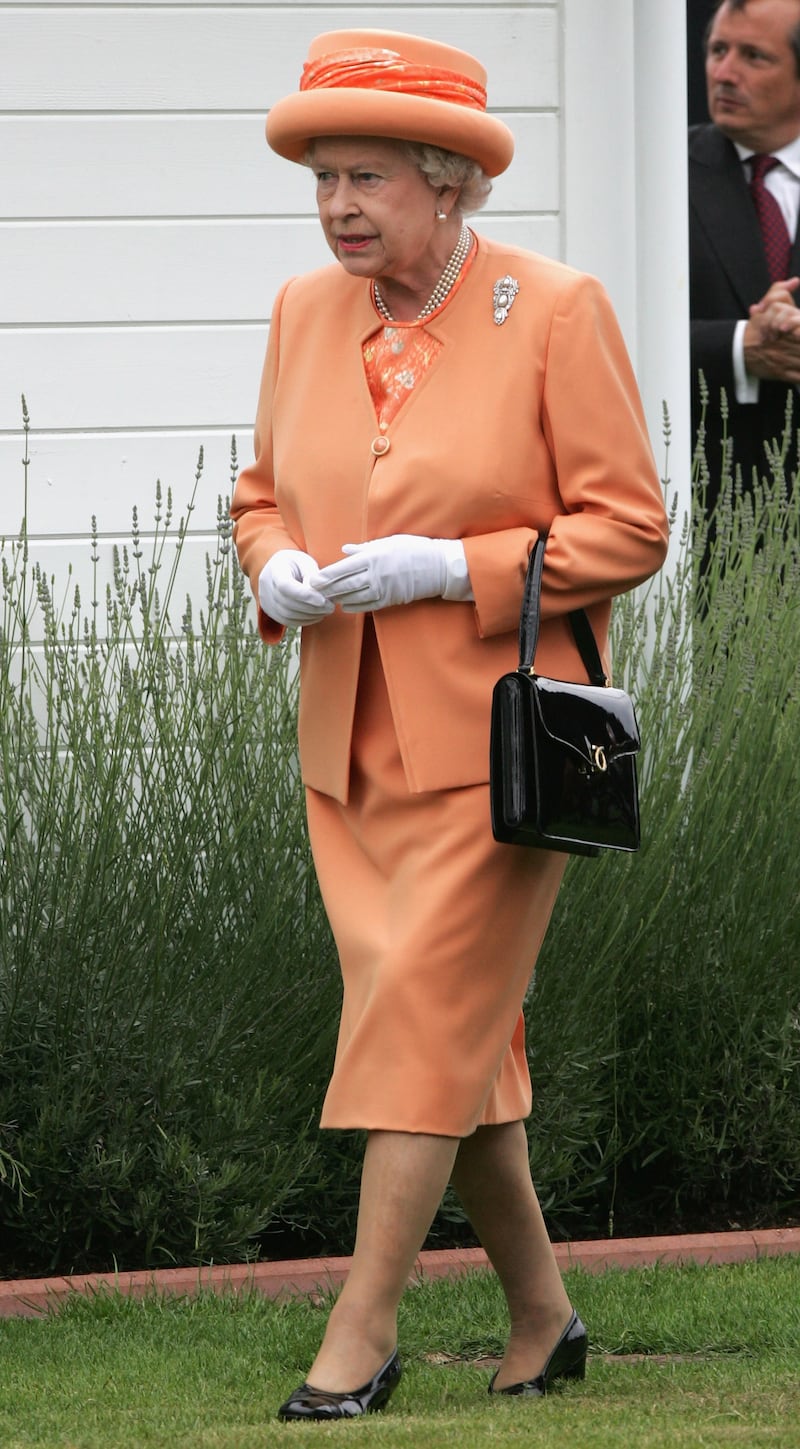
x=529 y=622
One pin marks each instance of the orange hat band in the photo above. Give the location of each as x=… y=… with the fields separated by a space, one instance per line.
x=385 y=70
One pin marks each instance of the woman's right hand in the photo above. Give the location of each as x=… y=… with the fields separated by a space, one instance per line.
x=284 y=592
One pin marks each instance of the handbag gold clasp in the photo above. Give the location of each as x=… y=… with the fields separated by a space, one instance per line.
x=599 y=758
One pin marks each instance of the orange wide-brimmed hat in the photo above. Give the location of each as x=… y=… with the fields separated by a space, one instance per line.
x=399 y=87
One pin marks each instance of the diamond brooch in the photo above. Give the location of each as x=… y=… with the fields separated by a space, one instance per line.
x=503 y=294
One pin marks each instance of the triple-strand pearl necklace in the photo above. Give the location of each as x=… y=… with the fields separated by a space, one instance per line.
x=444 y=285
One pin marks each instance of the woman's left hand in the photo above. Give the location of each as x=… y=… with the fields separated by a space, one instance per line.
x=394 y=570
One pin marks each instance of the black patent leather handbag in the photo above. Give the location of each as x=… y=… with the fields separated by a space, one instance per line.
x=562 y=755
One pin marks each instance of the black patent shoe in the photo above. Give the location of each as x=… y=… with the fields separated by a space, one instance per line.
x=310 y=1403
x=567 y=1361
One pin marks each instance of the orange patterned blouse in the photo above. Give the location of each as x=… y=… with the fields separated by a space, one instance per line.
x=399 y=354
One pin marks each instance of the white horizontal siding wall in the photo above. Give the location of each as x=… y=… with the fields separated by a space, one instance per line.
x=146 y=227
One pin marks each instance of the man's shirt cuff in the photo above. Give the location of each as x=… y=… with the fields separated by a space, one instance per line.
x=744 y=385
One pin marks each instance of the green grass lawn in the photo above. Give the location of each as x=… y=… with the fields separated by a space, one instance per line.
x=679 y=1357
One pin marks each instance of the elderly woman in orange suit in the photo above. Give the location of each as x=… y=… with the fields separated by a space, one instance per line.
x=430 y=402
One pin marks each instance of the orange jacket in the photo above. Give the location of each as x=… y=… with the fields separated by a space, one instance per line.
x=532 y=424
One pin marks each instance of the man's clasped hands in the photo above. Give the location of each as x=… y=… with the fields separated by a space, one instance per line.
x=772 y=334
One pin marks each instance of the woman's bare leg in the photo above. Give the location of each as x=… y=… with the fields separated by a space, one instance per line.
x=493 y=1180
x=403 y=1179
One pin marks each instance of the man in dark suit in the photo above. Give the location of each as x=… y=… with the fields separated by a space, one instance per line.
x=745 y=328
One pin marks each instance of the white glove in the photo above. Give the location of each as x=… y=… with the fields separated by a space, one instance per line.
x=284 y=592
x=395 y=570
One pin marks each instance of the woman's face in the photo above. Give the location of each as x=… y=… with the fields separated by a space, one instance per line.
x=378 y=211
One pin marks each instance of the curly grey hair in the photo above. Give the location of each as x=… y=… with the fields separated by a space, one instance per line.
x=440 y=168
x=448 y=168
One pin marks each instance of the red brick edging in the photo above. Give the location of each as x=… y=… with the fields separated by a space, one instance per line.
x=26 y=1297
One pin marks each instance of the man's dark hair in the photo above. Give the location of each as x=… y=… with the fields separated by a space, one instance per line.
x=794 y=33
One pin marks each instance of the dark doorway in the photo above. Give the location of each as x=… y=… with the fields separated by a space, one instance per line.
x=698 y=14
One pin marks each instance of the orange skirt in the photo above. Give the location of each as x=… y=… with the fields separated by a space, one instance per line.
x=437 y=928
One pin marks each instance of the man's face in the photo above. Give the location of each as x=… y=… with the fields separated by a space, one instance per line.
x=751 y=74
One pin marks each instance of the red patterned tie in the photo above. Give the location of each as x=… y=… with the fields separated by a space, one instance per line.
x=777 y=244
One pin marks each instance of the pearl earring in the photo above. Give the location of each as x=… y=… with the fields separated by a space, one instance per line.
x=441 y=215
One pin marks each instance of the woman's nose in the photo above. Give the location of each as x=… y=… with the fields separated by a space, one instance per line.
x=342 y=200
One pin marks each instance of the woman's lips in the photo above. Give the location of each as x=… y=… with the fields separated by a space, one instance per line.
x=353 y=243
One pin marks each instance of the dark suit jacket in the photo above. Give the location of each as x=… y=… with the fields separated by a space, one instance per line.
x=728 y=272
